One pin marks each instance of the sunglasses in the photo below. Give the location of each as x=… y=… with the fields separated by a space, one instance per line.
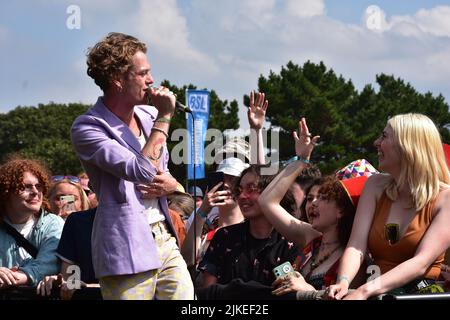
x=392 y=233
x=69 y=178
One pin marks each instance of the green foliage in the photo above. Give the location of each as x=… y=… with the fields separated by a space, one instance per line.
x=347 y=121
x=42 y=133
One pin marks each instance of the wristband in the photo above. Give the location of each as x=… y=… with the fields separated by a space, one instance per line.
x=205 y=216
x=297 y=158
x=339 y=278
x=162 y=131
x=163 y=120
x=202 y=214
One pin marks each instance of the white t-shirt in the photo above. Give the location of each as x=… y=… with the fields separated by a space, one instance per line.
x=152 y=210
x=25 y=230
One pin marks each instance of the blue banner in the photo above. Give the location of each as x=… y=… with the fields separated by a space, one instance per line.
x=198 y=101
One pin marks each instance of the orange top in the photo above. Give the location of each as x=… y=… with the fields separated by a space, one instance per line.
x=179 y=226
x=387 y=256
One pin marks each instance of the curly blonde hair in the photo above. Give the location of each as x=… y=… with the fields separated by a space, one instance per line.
x=11 y=178
x=111 y=57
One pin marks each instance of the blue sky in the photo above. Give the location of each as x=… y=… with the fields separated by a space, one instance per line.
x=221 y=45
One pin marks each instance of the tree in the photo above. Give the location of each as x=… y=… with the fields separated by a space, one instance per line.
x=43 y=132
x=347 y=121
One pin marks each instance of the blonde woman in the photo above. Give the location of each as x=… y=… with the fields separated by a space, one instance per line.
x=63 y=187
x=403 y=215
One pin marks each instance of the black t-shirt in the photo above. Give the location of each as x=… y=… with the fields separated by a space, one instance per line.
x=235 y=253
x=75 y=243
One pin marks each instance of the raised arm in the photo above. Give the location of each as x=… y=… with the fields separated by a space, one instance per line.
x=289 y=226
x=357 y=245
x=164 y=100
x=212 y=198
x=256 y=115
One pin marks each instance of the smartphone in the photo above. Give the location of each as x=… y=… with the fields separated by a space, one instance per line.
x=69 y=203
x=283 y=270
x=213 y=178
x=67 y=199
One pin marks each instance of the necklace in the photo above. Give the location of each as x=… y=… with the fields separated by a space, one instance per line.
x=315 y=264
x=329 y=243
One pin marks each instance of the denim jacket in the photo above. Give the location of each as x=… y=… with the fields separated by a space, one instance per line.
x=45 y=237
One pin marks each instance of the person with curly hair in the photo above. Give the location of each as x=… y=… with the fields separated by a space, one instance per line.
x=24 y=216
x=121 y=143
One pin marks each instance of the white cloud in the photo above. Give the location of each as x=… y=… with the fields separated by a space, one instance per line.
x=162 y=25
x=305 y=8
x=226 y=45
x=426 y=22
x=435 y=21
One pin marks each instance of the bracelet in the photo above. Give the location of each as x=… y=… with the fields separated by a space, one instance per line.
x=163 y=120
x=162 y=131
x=297 y=158
x=205 y=216
x=339 y=278
x=202 y=214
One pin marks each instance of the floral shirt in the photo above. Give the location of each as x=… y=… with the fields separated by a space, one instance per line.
x=235 y=253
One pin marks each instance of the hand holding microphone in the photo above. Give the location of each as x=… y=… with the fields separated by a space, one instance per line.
x=160 y=92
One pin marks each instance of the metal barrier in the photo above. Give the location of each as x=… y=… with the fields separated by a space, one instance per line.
x=29 y=293
x=427 y=296
x=317 y=295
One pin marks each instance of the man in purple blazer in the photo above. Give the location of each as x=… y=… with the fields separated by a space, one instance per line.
x=122 y=146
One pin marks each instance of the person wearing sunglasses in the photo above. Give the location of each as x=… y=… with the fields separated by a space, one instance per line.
x=241 y=257
x=29 y=234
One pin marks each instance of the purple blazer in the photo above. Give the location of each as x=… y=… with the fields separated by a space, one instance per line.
x=122 y=242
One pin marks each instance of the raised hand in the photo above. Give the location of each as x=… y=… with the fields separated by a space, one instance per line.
x=257 y=110
x=214 y=198
x=304 y=144
x=164 y=100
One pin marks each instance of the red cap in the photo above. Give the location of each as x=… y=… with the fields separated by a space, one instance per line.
x=354 y=187
x=447 y=153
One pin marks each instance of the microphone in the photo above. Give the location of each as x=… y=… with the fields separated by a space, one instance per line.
x=181 y=107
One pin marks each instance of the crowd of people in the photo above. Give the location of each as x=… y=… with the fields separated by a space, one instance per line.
x=127 y=227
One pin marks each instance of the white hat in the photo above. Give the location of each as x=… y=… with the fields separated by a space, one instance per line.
x=234 y=146
x=232 y=166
